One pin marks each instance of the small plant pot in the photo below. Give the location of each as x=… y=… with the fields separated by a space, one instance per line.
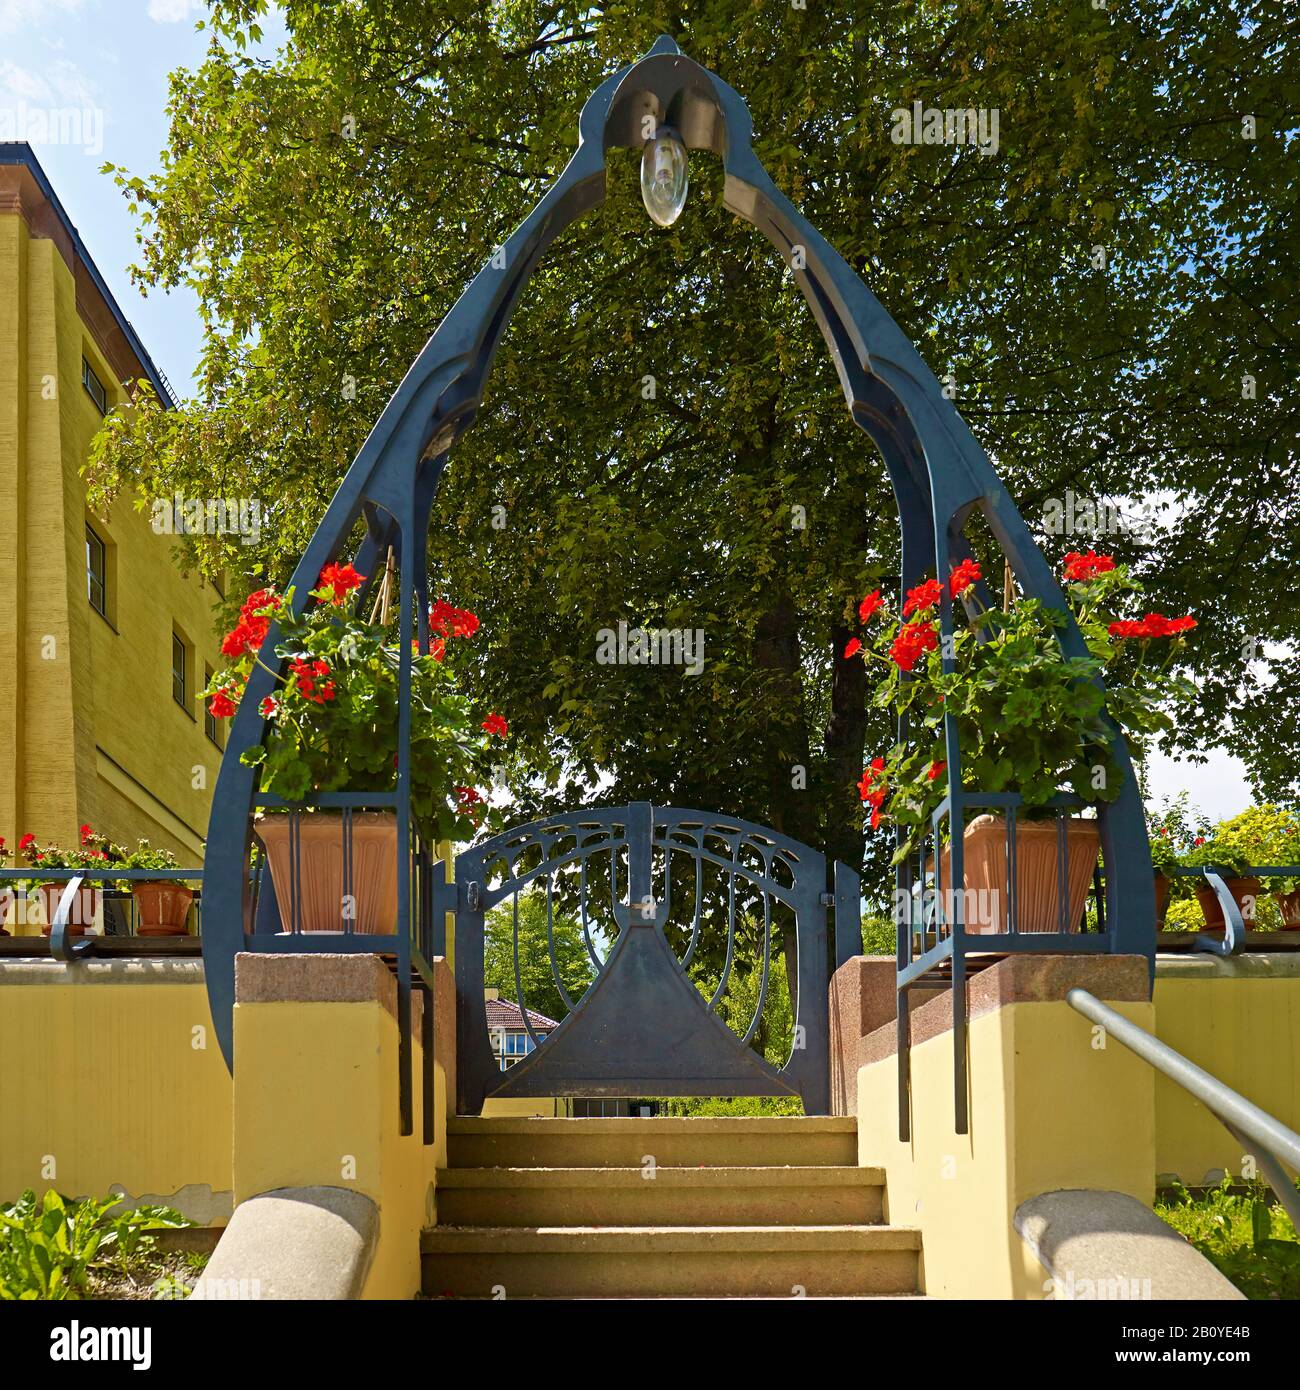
x=1288 y=904
x=987 y=902
x=86 y=908
x=1162 y=900
x=321 y=905
x=161 y=908
x=1245 y=893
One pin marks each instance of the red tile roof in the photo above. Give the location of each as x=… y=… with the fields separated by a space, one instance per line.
x=505 y=1013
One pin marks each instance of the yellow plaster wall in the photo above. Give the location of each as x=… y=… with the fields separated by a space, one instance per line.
x=1240 y=1021
x=1048 y=1110
x=113 y=1084
x=316 y=1103
x=85 y=705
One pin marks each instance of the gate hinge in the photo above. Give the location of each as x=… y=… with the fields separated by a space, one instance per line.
x=828 y=899
x=473 y=896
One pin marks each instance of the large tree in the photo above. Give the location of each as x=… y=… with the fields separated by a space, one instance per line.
x=1097 y=289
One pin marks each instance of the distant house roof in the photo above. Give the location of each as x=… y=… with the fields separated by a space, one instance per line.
x=505 y=1013
x=22 y=155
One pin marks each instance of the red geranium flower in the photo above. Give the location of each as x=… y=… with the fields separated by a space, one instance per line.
x=873 y=788
x=269 y=707
x=922 y=598
x=912 y=643
x=26 y=842
x=1079 y=568
x=452 y=622
x=86 y=833
x=966 y=574
x=495 y=724
x=935 y=770
x=342 y=579
x=870 y=606
x=854 y=646
x=222 y=706
x=1153 y=625
x=306 y=674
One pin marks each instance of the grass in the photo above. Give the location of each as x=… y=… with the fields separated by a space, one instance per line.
x=1250 y=1239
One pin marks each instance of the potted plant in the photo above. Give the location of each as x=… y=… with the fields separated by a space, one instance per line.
x=1169 y=833
x=95 y=853
x=1221 y=848
x=332 y=726
x=1261 y=836
x=162 y=905
x=7 y=893
x=1030 y=719
x=1164 y=856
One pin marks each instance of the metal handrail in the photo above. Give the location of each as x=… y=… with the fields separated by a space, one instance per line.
x=1254 y=1129
x=1234 y=926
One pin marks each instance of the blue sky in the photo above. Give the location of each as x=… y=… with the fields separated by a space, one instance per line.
x=108 y=61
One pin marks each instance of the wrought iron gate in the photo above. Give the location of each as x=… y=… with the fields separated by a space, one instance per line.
x=679 y=915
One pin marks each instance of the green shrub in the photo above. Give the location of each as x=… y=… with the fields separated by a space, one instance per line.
x=1250 y=1241
x=48 y=1248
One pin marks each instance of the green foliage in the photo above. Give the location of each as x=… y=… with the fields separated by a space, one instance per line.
x=539 y=989
x=879 y=935
x=48 y=1248
x=731 y=1106
x=144 y=856
x=1251 y=1240
x=409 y=137
x=1030 y=718
x=1184 y=914
x=1170 y=830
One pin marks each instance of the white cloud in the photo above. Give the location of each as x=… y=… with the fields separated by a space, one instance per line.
x=170 y=11
x=31 y=14
x=62 y=84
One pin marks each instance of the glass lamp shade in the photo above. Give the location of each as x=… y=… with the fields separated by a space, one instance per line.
x=663 y=177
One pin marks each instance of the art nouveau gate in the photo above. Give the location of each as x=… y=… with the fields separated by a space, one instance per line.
x=941 y=479
x=677 y=911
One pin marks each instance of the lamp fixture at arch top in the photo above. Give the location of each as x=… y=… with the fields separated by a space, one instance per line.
x=664 y=176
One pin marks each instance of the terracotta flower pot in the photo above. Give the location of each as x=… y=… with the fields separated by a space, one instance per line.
x=987 y=902
x=161 y=908
x=321 y=906
x=85 y=909
x=1162 y=900
x=1241 y=889
x=1289 y=906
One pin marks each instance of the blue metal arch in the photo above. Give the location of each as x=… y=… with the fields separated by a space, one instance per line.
x=938 y=471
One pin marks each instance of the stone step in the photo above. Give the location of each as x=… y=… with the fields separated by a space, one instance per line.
x=705 y=1196
x=668 y=1261
x=529 y=1142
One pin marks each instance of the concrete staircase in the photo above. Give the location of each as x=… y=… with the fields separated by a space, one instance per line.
x=643 y=1208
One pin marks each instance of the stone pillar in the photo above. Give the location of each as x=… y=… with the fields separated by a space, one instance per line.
x=1054 y=1105
x=316 y=1097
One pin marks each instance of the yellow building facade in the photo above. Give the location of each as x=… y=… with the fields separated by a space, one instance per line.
x=105 y=644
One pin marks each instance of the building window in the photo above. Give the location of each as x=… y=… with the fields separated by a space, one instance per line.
x=211 y=724
x=94 y=387
x=96 y=573
x=514 y=1048
x=180 y=672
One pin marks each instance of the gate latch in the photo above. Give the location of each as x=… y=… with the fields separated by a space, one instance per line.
x=828 y=899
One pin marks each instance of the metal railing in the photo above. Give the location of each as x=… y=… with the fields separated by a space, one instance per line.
x=1234 y=924
x=1254 y=1129
x=944 y=932
x=119 y=912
